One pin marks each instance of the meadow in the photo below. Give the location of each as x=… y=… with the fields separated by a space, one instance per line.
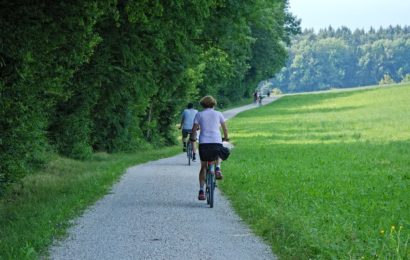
x=325 y=176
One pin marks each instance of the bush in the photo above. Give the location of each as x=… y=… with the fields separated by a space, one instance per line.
x=386 y=80
x=406 y=78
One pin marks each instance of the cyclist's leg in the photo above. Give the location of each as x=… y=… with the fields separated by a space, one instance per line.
x=184 y=137
x=218 y=173
x=194 y=150
x=202 y=173
x=202 y=176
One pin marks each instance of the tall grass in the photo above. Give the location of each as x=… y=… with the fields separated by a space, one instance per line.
x=326 y=175
x=39 y=209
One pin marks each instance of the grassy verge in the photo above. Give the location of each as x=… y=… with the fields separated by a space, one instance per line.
x=33 y=213
x=326 y=176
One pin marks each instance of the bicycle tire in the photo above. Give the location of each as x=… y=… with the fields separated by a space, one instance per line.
x=189 y=152
x=207 y=195
x=211 y=190
x=208 y=188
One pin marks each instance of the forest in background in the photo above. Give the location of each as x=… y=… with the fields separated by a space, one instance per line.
x=340 y=58
x=113 y=75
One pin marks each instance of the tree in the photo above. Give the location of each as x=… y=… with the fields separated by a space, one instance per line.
x=339 y=58
x=112 y=75
x=42 y=47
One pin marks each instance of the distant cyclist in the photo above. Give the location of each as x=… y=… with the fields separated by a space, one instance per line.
x=187 y=123
x=260 y=99
x=210 y=141
x=255 y=97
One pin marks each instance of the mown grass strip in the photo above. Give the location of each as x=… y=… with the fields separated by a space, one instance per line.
x=39 y=210
x=326 y=176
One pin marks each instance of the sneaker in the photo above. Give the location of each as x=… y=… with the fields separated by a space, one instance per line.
x=218 y=174
x=201 y=195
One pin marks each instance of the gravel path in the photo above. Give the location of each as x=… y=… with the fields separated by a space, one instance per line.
x=153 y=213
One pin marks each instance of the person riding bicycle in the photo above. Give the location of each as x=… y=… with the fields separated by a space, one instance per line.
x=260 y=97
x=210 y=141
x=187 y=123
x=255 y=97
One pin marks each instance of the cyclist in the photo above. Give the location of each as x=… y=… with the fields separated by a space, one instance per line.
x=260 y=99
x=187 y=123
x=255 y=97
x=210 y=141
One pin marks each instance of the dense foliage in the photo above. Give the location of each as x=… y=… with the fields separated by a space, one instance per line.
x=342 y=58
x=112 y=75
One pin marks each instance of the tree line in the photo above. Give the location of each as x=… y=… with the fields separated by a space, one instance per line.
x=342 y=58
x=112 y=75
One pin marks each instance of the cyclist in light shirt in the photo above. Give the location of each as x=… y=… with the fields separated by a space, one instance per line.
x=210 y=140
x=187 y=123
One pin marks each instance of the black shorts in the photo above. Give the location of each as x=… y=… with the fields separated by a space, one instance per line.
x=209 y=152
x=186 y=132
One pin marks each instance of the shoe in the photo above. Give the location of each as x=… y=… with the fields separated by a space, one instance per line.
x=194 y=158
x=201 y=195
x=218 y=174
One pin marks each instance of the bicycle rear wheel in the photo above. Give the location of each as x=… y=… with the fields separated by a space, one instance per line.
x=189 y=152
x=211 y=192
x=207 y=194
x=210 y=188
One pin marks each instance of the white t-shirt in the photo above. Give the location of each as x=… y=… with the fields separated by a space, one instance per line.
x=188 y=118
x=209 y=122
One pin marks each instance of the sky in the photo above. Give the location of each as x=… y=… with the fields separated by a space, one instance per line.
x=354 y=14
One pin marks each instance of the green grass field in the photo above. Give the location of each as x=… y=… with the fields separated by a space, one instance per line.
x=39 y=210
x=326 y=176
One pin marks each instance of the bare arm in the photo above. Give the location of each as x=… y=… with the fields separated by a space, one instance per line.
x=194 y=130
x=225 y=130
x=182 y=121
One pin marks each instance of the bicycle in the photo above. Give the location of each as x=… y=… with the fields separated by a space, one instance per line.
x=190 y=150
x=210 y=183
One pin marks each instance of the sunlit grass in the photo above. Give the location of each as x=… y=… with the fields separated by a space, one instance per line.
x=322 y=175
x=39 y=209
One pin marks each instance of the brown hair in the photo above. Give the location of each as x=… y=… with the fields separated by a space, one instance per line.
x=207 y=102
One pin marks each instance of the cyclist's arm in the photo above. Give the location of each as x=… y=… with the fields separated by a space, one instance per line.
x=225 y=130
x=194 y=130
x=182 y=121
